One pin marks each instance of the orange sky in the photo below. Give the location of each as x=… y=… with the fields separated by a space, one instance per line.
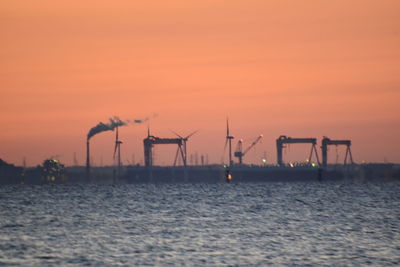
x=300 y=68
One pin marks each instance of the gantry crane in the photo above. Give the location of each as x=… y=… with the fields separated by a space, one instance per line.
x=288 y=140
x=239 y=153
x=326 y=141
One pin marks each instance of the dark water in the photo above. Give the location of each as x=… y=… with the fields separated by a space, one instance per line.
x=210 y=224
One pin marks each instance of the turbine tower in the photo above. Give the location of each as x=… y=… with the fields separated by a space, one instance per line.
x=228 y=142
x=117 y=150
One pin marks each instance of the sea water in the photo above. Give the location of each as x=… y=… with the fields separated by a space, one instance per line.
x=243 y=224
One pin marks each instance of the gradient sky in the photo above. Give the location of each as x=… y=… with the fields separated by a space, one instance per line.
x=298 y=68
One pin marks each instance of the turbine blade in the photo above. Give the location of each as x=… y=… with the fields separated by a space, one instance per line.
x=227 y=127
x=177 y=134
x=223 y=153
x=190 y=135
x=226 y=143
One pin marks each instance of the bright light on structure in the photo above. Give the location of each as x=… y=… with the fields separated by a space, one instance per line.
x=264 y=160
x=314 y=164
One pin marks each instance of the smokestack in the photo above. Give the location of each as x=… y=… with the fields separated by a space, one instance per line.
x=113 y=123
x=87 y=159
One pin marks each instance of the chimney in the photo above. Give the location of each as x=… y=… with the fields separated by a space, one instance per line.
x=87 y=159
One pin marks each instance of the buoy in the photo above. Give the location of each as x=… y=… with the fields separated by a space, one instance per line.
x=228 y=176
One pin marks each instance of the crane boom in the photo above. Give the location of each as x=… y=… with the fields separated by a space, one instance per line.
x=240 y=154
x=252 y=144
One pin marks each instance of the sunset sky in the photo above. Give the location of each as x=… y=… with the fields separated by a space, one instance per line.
x=308 y=68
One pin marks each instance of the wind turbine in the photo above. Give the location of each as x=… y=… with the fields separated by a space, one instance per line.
x=228 y=141
x=182 y=149
x=117 y=150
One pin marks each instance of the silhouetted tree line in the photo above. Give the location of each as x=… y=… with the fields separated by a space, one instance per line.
x=51 y=171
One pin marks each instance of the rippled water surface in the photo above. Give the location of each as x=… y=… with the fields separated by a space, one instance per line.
x=206 y=224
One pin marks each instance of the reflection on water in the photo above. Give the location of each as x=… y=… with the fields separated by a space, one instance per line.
x=206 y=224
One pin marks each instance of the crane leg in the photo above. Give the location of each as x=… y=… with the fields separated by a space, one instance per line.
x=345 y=157
x=316 y=154
x=310 y=156
x=176 y=156
x=351 y=156
x=183 y=156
